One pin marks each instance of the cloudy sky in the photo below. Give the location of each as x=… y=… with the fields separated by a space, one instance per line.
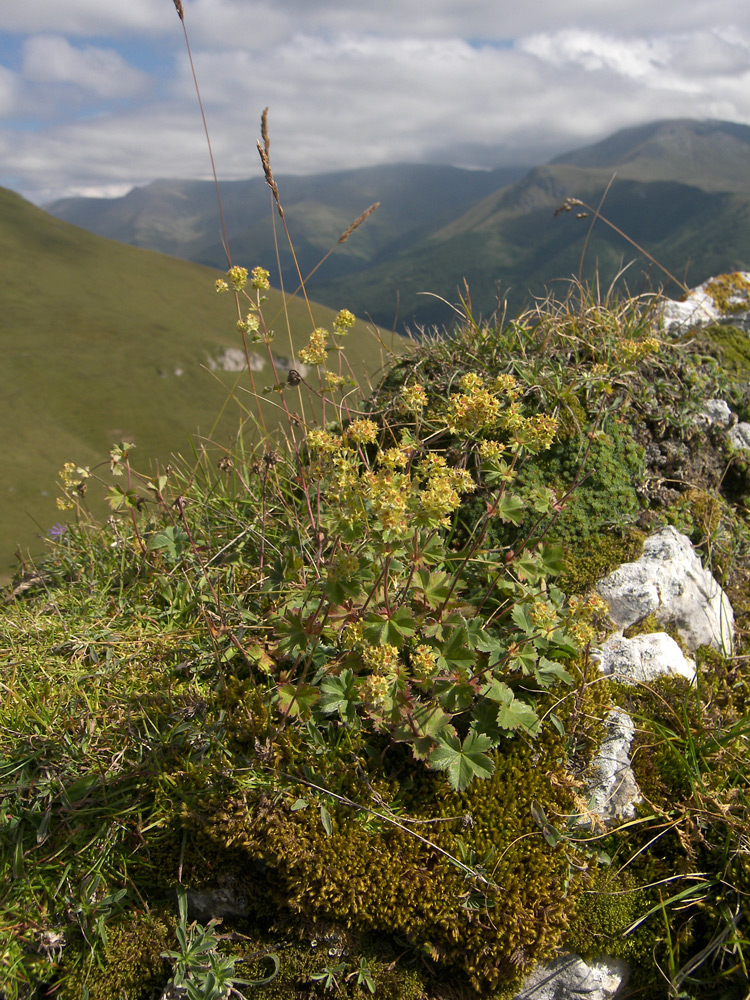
x=97 y=95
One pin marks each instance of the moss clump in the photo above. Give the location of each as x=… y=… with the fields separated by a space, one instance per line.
x=395 y=878
x=131 y=967
x=605 y=497
x=730 y=293
x=597 y=557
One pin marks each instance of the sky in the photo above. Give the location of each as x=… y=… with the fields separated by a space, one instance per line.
x=97 y=96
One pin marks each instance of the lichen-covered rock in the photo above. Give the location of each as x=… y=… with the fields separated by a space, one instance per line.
x=670 y=582
x=644 y=658
x=613 y=792
x=570 y=978
x=723 y=299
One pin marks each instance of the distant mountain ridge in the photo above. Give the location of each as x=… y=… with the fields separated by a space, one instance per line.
x=680 y=188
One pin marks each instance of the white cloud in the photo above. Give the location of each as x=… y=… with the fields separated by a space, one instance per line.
x=87 y=17
x=99 y=72
x=349 y=84
x=8 y=91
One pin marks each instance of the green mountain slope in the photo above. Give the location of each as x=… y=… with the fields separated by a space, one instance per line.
x=679 y=189
x=179 y=217
x=103 y=342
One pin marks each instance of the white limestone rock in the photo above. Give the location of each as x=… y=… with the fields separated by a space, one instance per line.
x=570 y=978
x=644 y=658
x=612 y=790
x=670 y=582
x=698 y=309
x=716 y=413
x=739 y=436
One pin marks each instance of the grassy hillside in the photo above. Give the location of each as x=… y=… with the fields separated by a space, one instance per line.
x=100 y=342
x=325 y=723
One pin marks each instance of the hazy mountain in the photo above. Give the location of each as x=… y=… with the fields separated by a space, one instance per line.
x=680 y=189
x=103 y=342
x=181 y=217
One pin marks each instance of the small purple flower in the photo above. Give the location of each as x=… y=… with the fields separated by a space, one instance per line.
x=57 y=530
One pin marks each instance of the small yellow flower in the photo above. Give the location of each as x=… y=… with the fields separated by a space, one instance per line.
x=315 y=353
x=320 y=440
x=413 y=398
x=238 y=277
x=507 y=385
x=424 y=662
x=259 y=279
x=362 y=431
x=394 y=458
x=221 y=286
x=250 y=324
x=343 y=322
x=381 y=659
x=491 y=449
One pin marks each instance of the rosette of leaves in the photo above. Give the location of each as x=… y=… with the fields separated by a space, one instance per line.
x=394 y=629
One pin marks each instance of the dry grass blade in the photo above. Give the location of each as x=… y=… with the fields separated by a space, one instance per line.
x=358 y=222
x=264 y=133
x=180 y=11
x=268 y=173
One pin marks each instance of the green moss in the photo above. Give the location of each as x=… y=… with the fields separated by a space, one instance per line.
x=730 y=292
x=598 y=556
x=131 y=966
x=387 y=879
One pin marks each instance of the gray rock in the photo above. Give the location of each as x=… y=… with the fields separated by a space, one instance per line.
x=716 y=412
x=739 y=436
x=670 y=582
x=643 y=658
x=570 y=978
x=612 y=790
x=698 y=309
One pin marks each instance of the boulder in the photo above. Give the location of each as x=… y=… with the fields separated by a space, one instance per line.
x=724 y=299
x=643 y=658
x=670 y=582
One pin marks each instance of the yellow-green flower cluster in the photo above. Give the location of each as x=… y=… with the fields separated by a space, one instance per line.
x=382 y=659
x=474 y=409
x=539 y=432
x=491 y=449
x=634 y=350
x=221 y=285
x=324 y=441
x=413 y=398
x=238 y=277
x=73 y=478
x=395 y=458
x=362 y=431
x=259 y=279
x=335 y=381
x=343 y=322
x=250 y=324
x=588 y=615
x=507 y=386
x=544 y=616
x=424 y=662
x=388 y=492
x=316 y=351
x=441 y=494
